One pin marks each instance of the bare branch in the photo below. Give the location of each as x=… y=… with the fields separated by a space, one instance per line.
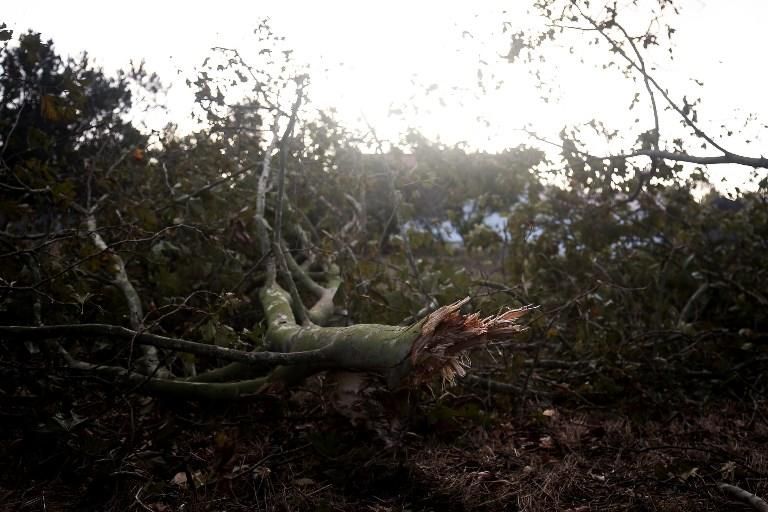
x=616 y=47
x=151 y=361
x=263 y=359
x=298 y=306
x=727 y=158
x=186 y=389
x=655 y=153
x=676 y=156
x=262 y=228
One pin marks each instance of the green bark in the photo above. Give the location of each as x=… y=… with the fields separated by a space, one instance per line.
x=436 y=345
x=375 y=348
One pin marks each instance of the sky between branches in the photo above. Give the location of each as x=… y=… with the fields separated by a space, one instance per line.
x=373 y=61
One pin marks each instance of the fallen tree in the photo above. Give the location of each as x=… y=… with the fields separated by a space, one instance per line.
x=437 y=345
x=296 y=302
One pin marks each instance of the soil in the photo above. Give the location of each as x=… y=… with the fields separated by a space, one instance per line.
x=70 y=442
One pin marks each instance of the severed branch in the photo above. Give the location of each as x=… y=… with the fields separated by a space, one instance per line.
x=277 y=246
x=121 y=279
x=323 y=307
x=271 y=253
x=151 y=361
x=185 y=389
x=258 y=359
x=283 y=160
x=405 y=356
x=262 y=228
x=437 y=345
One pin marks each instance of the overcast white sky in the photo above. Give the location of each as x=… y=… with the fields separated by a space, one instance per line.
x=384 y=45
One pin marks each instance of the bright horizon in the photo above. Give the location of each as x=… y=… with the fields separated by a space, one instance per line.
x=365 y=58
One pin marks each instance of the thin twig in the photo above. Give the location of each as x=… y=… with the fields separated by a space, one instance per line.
x=266 y=359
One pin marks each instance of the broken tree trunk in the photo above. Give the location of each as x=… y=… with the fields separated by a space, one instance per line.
x=436 y=345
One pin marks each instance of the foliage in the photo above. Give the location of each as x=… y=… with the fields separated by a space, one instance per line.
x=611 y=275
x=644 y=292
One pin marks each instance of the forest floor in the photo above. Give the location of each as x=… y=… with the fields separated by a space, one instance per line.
x=75 y=443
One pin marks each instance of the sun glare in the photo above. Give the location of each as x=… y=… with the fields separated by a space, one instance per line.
x=436 y=67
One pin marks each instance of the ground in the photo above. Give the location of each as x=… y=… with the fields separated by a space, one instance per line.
x=70 y=442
